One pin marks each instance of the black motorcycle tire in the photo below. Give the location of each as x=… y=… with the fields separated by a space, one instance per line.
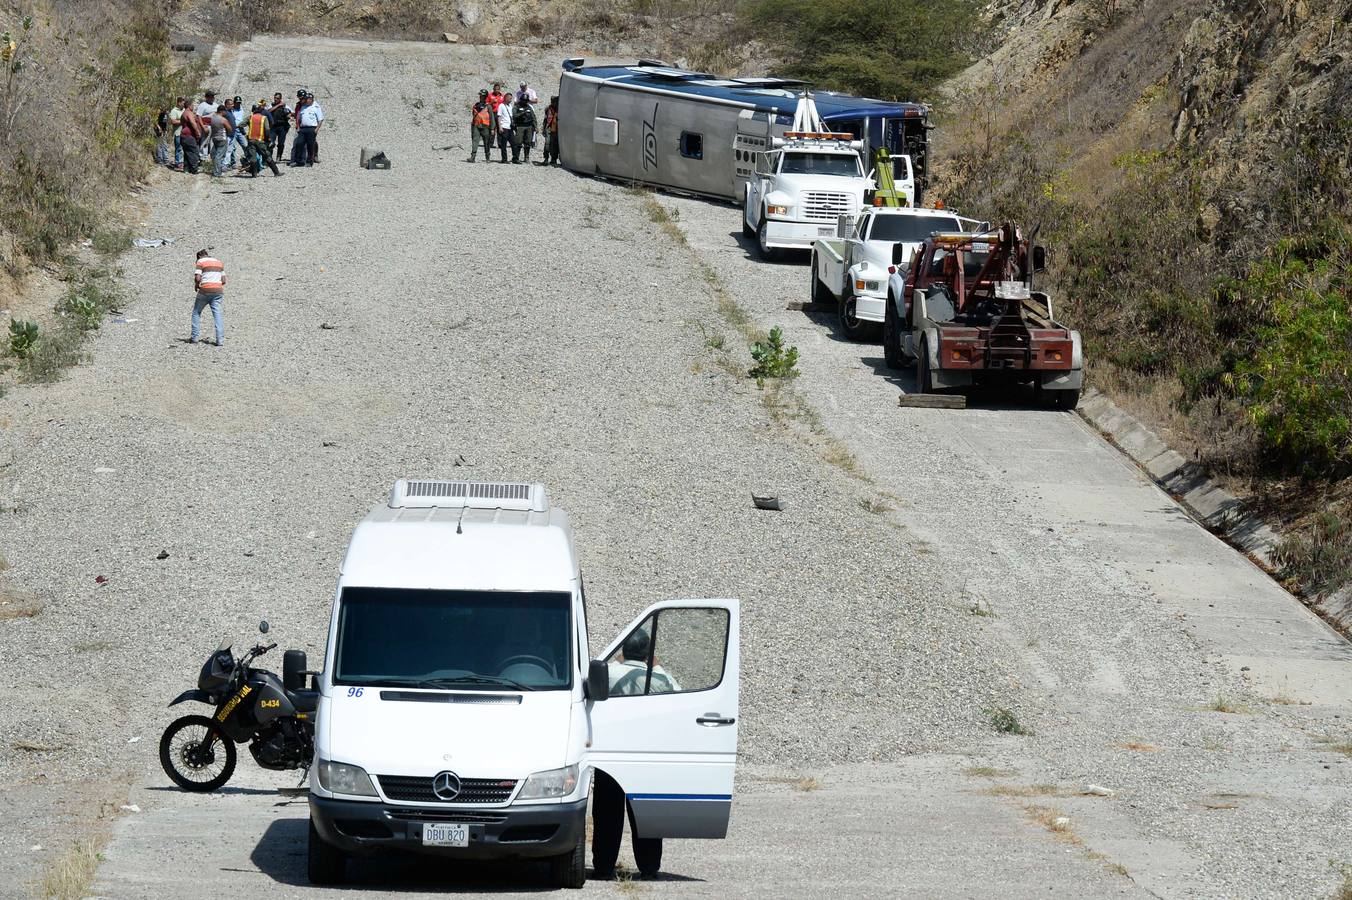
x=222 y=745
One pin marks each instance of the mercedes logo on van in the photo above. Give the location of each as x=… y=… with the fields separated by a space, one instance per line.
x=446 y=785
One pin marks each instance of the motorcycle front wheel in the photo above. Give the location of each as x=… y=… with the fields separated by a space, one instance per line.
x=195 y=755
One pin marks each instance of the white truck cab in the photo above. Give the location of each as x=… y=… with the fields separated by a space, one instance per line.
x=855 y=269
x=462 y=714
x=799 y=190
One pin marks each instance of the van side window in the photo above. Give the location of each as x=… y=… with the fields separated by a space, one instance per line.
x=676 y=650
x=692 y=145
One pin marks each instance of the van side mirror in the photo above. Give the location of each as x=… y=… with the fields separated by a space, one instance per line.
x=598 y=680
x=898 y=253
x=1039 y=258
x=293 y=670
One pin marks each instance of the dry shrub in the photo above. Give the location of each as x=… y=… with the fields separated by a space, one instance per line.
x=111 y=61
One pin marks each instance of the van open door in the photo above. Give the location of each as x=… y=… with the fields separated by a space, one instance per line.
x=668 y=731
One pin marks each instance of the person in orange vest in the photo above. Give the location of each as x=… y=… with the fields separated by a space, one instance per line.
x=260 y=130
x=481 y=128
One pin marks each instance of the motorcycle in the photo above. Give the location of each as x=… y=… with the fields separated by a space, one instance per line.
x=274 y=715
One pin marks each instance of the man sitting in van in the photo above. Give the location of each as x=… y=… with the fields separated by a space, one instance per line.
x=629 y=673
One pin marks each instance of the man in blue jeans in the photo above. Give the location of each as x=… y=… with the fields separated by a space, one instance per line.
x=209 y=280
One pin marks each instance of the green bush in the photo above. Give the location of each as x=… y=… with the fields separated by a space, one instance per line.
x=893 y=49
x=23 y=338
x=93 y=296
x=773 y=359
x=1297 y=384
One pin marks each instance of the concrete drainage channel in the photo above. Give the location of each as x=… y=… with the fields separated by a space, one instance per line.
x=1215 y=509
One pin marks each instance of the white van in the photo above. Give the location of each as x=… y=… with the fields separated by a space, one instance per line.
x=461 y=712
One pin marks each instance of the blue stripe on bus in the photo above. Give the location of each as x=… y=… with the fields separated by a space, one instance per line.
x=679 y=796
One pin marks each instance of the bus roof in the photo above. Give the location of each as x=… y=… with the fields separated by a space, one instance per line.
x=777 y=94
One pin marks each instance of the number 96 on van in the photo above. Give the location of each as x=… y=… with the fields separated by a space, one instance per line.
x=436 y=834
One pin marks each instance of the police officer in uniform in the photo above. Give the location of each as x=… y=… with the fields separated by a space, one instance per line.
x=481 y=128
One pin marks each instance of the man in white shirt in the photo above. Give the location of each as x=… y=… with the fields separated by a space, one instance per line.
x=629 y=674
x=309 y=117
x=504 y=128
x=207 y=108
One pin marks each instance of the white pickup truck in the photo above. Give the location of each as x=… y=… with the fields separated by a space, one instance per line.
x=853 y=269
x=800 y=190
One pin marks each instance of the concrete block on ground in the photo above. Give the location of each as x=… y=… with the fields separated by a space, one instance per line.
x=1164 y=465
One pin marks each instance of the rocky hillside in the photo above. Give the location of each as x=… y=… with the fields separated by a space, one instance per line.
x=1187 y=162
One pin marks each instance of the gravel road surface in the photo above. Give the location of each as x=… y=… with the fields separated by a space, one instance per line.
x=521 y=323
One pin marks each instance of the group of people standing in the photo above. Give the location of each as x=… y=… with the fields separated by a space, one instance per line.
x=509 y=120
x=224 y=134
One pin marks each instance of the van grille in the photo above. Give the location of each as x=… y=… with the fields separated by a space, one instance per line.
x=826 y=205
x=416 y=789
x=459 y=816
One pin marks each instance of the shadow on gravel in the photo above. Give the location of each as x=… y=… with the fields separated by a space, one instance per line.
x=751 y=252
x=1020 y=398
x=280 y=855
x=228 y=789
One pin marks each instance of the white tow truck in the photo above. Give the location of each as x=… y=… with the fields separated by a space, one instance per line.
x=803 y=184
x=855 y=269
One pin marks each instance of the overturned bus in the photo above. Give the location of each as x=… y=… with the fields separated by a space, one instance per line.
x=691 y=132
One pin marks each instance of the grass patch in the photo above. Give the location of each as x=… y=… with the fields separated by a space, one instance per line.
x=1223 y=704
x=12 y=607
x=1052 y=819
x=1336 y=745
x=92 y=646
x=46 y=353
x=1005 y=721
x=112 y=241
x=31 y=747
x=69 y=876
x=1025 y=790
x=876 y=507
x=1140 y=747
x=989 y=772
x=1318 y=561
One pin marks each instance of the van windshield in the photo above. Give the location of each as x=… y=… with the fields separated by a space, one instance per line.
x=846 y=164
x=459 y=640
x=909 y=229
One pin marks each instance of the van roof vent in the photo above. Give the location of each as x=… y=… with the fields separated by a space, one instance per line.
x=423 y=494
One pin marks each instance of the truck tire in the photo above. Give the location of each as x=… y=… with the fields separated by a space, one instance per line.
x=325 y=864
x=924 y=378
x=767 y=253
x=850 y=324
x=893 y=354
x=819 y=294
x=570 y=869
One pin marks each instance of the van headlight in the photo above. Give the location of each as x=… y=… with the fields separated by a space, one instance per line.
x=550 y=785
x=340 y=778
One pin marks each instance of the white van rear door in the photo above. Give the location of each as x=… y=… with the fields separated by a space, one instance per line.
x=668 y=732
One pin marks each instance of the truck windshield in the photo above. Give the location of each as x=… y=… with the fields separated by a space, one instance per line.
x=909 y=229
x=460 y=640
x=846 y=164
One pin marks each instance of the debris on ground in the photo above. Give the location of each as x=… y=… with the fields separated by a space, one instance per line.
x=767 y=502
x=149 y=243
x=163 y=554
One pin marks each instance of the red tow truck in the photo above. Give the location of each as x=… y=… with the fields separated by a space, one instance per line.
x=968 y=316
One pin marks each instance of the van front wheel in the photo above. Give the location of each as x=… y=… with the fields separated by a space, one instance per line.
x=570 y=869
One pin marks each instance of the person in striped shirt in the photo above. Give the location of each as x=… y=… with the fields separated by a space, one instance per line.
x=209 y=280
